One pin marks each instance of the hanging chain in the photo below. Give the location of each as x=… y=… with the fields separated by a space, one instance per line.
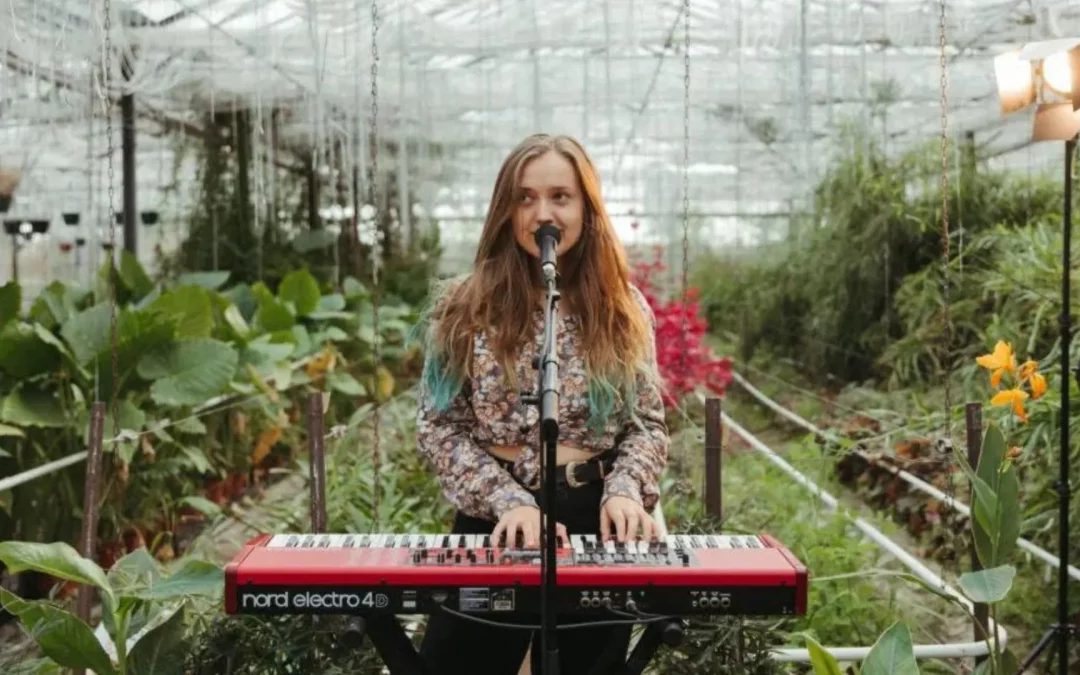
x=686 y=184
x=946 y=291
x=951 y=539
x=373 y=150
x=113 y=332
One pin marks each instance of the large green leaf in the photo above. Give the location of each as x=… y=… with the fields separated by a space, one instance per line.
x=211 y=281
x=273 y=315
x=23 y=352
x=822 y=661
x=190 y=310
x=892 y=654
x=189 y=373
x=991 y=457
x=10 y=302
x=160 y=651
x=56 y=303
x=1008 y=514
x=301 y=289
x=32 y=406
x=62 y=636
x=57 y=559
x=345 y=383
x=990 y=585
x=137 y=569
x=194 y=577
x=133 y=276
x=138 y=332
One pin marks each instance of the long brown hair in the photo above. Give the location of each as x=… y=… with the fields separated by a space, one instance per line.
x=504 y=290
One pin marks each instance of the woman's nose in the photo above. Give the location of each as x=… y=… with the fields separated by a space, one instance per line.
x=543 y=211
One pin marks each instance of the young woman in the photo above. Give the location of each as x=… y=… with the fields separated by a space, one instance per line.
x=483 y=441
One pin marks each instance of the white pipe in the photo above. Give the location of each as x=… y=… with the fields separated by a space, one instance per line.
x=37 y=472
x=75 y=458
x=953 y=650
x=914 y=481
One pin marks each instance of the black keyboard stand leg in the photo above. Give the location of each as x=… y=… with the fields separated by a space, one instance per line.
x=391 y=643
x=669 y=632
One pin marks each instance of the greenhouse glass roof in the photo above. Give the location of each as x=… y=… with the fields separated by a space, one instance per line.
x=771 y=85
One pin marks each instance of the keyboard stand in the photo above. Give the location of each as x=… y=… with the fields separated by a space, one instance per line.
x=668 y=632
x=393 y=645
x=398 y=654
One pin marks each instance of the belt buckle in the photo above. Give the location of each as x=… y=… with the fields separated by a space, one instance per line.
x=570 y=466
x=570 y=480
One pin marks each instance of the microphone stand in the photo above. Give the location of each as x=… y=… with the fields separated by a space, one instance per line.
x=547 y=362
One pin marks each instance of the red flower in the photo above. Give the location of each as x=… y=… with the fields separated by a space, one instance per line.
x=685 y=361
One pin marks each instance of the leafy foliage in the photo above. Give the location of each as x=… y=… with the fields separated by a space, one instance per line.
x=855 y=293
x=143 y=608
x=210 y=396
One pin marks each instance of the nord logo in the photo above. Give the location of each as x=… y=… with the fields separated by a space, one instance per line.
x=313 y=600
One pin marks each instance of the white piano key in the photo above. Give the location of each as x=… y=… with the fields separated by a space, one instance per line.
x=609 y=546
x=473 y=541
x=718 y=541
x=577 y=543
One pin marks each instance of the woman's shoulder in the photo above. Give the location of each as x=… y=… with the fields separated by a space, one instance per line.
x=642 y=301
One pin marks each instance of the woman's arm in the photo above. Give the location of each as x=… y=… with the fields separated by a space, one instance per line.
x=471 y=479
x=643 y=450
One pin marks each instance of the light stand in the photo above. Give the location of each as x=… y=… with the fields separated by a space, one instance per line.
x=1047 y=74
x=1063 y=630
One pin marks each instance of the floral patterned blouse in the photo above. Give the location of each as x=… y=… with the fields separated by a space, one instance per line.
x=486 y=413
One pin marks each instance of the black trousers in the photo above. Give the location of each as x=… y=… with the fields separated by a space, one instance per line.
x=453 y=645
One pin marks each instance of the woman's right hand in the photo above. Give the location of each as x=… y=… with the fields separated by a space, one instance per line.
x=526 y=520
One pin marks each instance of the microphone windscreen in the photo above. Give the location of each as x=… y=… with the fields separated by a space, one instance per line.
x=548 y=229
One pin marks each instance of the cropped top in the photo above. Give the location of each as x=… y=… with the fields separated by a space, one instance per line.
x=486 y=412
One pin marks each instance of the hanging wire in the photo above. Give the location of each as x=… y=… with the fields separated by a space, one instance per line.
x=686 y=185
x=376 y=250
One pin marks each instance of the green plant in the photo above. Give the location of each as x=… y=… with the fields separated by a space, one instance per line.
x=995 y=528
x=892 y=654
x=142 y=608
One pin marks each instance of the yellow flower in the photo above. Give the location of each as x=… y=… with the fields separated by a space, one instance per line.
x=1013 y=397
x=1000 y=362
x=1038 y=385
x=1027 y=369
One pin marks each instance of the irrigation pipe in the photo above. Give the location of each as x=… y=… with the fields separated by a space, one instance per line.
x=927 y=651
x=75 y=458
x=914 y=481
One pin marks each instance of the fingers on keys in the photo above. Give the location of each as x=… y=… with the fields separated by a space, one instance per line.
x=523 y=530
x=627 y=526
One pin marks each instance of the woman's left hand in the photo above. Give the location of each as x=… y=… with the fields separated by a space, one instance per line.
x=626 y=516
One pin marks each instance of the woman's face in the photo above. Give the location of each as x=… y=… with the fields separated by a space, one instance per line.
x=550 y=191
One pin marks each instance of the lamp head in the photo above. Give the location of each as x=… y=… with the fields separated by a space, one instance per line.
x=1048 y=73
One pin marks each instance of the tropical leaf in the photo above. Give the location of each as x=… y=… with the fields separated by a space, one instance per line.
x=189 y=373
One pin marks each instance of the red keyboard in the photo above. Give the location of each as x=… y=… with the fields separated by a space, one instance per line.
x=749 y=575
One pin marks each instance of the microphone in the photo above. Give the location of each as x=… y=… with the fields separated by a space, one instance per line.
x=547 y=238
